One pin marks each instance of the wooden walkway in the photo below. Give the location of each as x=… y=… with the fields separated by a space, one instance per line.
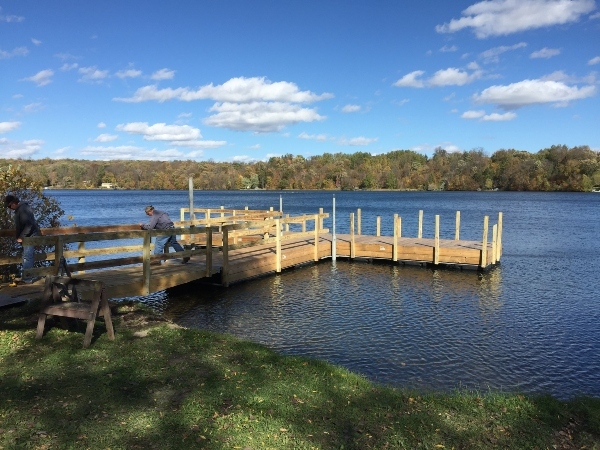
x=235 y=245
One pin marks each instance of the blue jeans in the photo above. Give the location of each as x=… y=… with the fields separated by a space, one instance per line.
x=161 y=241
x=28 y=260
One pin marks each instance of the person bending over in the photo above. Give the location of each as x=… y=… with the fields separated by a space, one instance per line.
x=160 y=220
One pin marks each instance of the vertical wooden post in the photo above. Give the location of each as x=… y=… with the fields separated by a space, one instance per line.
x=484 y=242
x=146 y=262
x=58 y=252
x=207 y=216
x=499 y=243
x=420 y=231
x=321 y=218
x=225 y=269
x=395 y=241
x=494 y=243
x=457 y=227
x=399 y=227
x=287 y=224
x=191 y=189
x=333 y=233
x=81 y=260
x=222 y=213
x=209 y=252
x=304 y=226
x=316 y=255
x=436 y=249
x=352 y=250
x=358 y=221
x=277 y=245
x=182 y=214
x=378 y=231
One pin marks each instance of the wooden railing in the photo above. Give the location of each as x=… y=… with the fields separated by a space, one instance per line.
x=204 y=237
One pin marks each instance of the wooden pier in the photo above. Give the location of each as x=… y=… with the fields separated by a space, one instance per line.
x=228 y=246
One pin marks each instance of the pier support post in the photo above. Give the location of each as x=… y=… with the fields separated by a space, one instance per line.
x=321 y=218
x=277 y=245
x=191 y=189
x=395 y=242
x=420 y=230
x=146 y=263
x=494 y=243
x=484 y=242
x=436 y=248
x=378 y=227
x=457 y=227
x=358 y=221
x=352 y=250
x=316 y=254
x=225 y=269
x=209 y=252
x=499 y=243
x=333 y=236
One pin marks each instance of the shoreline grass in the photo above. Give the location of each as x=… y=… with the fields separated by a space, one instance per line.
x=159 y=386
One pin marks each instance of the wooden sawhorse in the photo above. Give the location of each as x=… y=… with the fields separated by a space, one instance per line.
x=58 y=300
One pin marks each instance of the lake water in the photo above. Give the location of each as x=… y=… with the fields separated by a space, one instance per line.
x=530 y=325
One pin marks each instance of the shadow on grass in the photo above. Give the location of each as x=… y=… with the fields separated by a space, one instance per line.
x=175 y=388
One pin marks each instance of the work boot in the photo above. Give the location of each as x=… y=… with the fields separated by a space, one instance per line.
x=185 y=260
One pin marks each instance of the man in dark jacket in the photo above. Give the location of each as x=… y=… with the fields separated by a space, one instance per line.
x=160 y=220
x=26 y=226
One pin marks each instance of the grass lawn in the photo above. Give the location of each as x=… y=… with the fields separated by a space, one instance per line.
x=158 y=386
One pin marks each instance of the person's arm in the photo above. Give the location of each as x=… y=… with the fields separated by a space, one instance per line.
x=152 y=223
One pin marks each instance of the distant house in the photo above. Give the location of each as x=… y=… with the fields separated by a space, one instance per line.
x=108 y=186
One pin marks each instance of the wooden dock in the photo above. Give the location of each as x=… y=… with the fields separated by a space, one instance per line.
x=229 y=246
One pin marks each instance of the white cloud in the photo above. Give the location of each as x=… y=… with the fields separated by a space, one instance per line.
x=255 y=147
x=92 y=74
x=545 y=53
x=446 y=77
x=314 y=137
x=532 y=92
x=492 y=55
x=238 y=90
x=128 y=73
x=5 y=127
x=17 y=51
x=36 y=41
x=66 y=66
x=244 y=104
x=262 y=117
x=351 y=108
x=41 y=78
x=161 y=131
x=411 y=80
x=594 y=61
x=104 y=137
x=453 y=77
x=400 y=102
x=163 y=74
x=11 y=18
x=199 y=144
x=473 y=114
x=483 y=117
x=15 y=149
x=130 y=152
x=101 y=125
x=502 y=17
x=495 y=117
x=357 y=141
x=33 y=107
x=448 y=48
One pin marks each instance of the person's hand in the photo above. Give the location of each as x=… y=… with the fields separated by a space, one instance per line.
x=19 y=240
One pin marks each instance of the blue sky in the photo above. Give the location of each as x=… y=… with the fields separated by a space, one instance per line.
x=240 y=80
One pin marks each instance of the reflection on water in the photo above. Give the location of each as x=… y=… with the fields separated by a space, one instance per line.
x=400 y=325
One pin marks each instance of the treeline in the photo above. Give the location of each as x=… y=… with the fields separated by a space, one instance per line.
x=558 y=168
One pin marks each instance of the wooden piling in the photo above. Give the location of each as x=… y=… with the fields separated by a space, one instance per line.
x=358 y=221
x=352 y=243
x=316 y=253
x=436 y=247
x=484 y=242
x=378 y=231
x=457 y=227
x=420 y=230
x=278 y=245
x=395 y=241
